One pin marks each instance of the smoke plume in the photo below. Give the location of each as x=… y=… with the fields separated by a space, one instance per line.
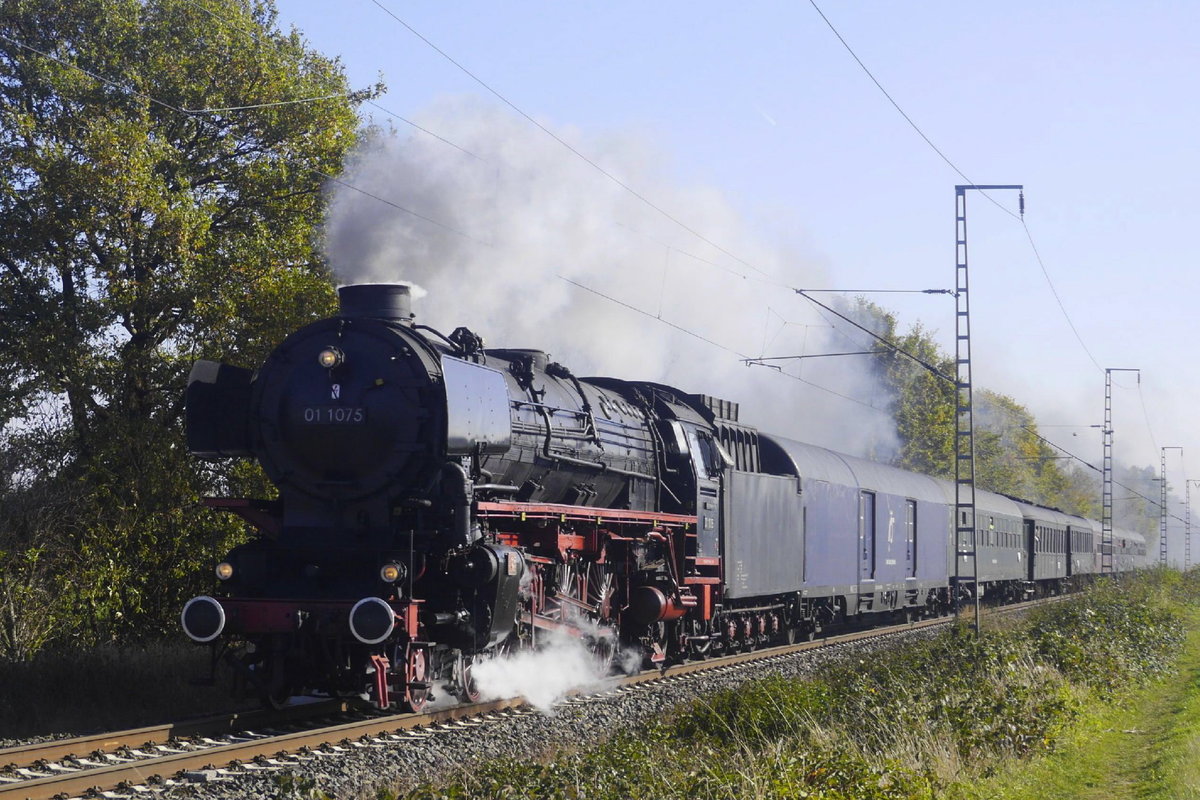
x=506 y=227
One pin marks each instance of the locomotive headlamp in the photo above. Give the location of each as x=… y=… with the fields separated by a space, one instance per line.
x=224 y=570
x=331 y=357
x=390 y=573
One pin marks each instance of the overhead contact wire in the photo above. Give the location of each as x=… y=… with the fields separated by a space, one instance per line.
x=1061 y=307
x=902 y=112
x=1020 y=218
x=890 y=345
x=1146 y=412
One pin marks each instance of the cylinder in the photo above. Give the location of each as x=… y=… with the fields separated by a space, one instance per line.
x=649 y=604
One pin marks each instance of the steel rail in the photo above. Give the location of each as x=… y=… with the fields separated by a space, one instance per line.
x=55 y=749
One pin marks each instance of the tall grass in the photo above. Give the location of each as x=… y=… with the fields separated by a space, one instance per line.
x=906 y=722
x=60 y=692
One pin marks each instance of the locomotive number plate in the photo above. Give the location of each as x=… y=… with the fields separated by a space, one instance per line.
x=333 y=415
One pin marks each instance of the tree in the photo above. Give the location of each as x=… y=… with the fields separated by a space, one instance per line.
x=1011 y=457
x=922 y=402
x=162 y=164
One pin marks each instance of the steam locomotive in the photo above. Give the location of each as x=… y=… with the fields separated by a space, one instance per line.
x=440 y=503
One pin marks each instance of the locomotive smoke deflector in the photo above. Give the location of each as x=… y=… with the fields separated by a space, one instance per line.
x=477 y=408
x=391 y=301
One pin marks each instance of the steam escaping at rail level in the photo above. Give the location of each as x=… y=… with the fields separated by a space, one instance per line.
x=546 y=676
x=528 y=245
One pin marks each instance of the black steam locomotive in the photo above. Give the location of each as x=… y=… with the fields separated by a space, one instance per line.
x=440 y=502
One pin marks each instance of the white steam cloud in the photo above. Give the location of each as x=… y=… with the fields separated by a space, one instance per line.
x=502 y=225
x=543 y=677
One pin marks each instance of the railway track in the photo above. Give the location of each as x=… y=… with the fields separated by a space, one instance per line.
x=160 y=757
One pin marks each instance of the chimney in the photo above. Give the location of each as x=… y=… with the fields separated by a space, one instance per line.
x=390 y=301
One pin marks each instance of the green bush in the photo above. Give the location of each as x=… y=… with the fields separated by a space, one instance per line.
x=982 y=695
x=1114 y=633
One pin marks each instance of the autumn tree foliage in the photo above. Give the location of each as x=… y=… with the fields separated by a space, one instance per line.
x=162 y=168
x=1011 y=457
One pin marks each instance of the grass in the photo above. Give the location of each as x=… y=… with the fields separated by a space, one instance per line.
x=107 y=688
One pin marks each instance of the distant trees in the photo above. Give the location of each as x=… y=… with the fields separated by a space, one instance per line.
x=160 y=188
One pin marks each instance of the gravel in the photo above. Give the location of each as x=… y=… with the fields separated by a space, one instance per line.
x=357 y=770
x=50 y=737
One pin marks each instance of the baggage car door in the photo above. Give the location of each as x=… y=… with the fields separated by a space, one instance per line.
x=1072 y=546
x=1031 y=546
x=866 y=536
x=910 y=538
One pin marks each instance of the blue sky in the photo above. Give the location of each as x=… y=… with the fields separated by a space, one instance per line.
x=1092 y=106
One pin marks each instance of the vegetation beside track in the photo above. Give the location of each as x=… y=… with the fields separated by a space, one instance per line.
x=1146 y=745
x=107 y=688
x=925 y=720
